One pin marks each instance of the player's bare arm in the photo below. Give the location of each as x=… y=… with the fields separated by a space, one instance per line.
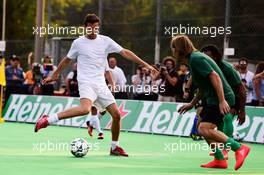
x=133 y=57
x=109 y=78
x=218 y=86
x=190 y=105
x=62 y=65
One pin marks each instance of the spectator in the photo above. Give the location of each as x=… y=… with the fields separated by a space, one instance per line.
x=47 y=69
x=14 y=78
x=188 y=88
x=259 y=76
x=169 y=78
x=119 y=79
x=71 y=82
x=140 y=81
x=258 y=86
x=33 y=79
x=154 y=90
x=246 y=76
x=183 y=72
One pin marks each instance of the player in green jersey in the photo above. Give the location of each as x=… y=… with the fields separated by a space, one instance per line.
x=219 y=97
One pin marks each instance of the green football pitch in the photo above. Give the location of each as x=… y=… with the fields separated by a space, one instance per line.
x=24 y=152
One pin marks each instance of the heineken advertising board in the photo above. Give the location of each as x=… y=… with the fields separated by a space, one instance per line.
x=137 y=116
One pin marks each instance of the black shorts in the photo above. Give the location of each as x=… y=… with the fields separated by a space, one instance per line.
x=211 y=114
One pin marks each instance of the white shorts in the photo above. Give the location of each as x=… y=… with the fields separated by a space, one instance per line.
x=99 y=94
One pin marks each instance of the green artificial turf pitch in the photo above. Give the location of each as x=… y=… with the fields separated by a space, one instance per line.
x=20 y=153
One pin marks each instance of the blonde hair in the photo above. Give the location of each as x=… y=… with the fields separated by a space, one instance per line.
x=182 y=45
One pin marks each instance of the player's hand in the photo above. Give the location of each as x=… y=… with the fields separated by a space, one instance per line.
x=185 y=108
x=153 y=71
x=50 y=79
x=224 y=107
x=241 y=117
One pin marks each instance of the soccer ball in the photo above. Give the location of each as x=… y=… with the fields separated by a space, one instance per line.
x=79 y=147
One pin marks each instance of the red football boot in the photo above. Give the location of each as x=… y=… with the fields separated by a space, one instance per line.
x=216 y=164
x=118 y=151
x=42 y=122
x=241 y=155
x=100 y=136
x=90 y=129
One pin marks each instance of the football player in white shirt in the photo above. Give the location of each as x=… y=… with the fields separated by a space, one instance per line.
x=91 y=53
x=94 y=121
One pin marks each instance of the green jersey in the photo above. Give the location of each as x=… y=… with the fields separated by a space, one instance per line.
x=231 y=76
x=201 y=66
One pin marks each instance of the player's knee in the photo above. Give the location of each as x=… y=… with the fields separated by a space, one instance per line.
x=202 y=130
x=116 y=116
x=84 y=111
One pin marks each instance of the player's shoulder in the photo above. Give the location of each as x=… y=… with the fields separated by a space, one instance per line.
x=104 y=37
x=78 y=40
x=227 y=65
x=118 y=69
x=196 y=56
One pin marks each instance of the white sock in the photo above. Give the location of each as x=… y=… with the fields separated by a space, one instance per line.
x=93 y=121
x=53 y=118
x=97 y=125
x=114 y=144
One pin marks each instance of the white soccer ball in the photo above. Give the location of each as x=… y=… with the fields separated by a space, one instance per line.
x=79 y=147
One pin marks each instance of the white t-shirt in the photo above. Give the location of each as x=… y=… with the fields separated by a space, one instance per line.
x=248 y=77
x=141 y=84
x=71 y=73
x=92 y=57
x=118 y=76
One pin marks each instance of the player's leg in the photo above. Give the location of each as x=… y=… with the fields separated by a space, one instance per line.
x=94 y=122
x=83 y=109
x=91 y=123
x=98 y=125
x=194 y=132
x=115 y=129
x=228 y=127
x=107 y=101
x=219 y=160
x=206 y=129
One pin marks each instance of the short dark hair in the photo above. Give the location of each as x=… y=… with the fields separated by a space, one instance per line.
x=184 y=64
x=214 y=50
x=91 y=18
x=14 y=58
x=243 y=59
